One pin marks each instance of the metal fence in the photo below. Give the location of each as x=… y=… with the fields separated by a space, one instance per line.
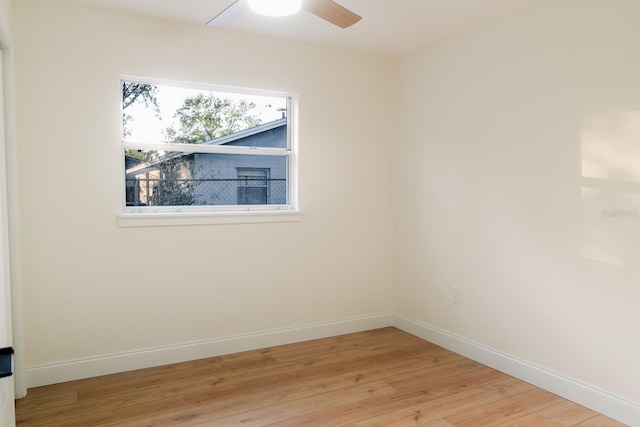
x=197 y=192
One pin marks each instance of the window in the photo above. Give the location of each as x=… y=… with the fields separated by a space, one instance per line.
x=204 y=150
x=253 y=186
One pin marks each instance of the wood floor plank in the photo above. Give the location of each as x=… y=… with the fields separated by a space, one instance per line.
x=280 y=412
x=47 y=401
x=148 y=378
x=507 y=409
x=450 y=383
x=433 y=409
x=568 y=413
x=396 y=370
x=203 y=408
x=106 y=404
x=600 y=421
x=384 y=377
x=529 y=420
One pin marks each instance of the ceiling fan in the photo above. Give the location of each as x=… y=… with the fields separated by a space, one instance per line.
x=326 y=9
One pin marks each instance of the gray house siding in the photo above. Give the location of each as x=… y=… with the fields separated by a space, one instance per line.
x=224 y=177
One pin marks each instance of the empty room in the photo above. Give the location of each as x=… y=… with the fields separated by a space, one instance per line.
x=362 y=212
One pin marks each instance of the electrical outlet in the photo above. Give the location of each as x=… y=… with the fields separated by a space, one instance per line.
x=456 y=297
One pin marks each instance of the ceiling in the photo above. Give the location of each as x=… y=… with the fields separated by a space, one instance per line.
x=390 y=28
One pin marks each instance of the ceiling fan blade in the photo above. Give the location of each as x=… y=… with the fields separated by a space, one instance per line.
x=332 y=12
x=227 y=15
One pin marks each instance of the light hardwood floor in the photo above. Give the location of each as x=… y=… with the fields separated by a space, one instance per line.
x=383 y=377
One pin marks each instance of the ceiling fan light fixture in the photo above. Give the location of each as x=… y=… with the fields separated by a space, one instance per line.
x=275 y=7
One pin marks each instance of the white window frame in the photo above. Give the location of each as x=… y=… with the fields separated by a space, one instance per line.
x=145 y=216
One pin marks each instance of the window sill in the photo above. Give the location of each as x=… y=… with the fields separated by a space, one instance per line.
x=205 y=218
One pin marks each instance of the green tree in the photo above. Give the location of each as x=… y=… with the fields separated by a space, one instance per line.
x=145 y=93
x=175 y=187
x=205 y=117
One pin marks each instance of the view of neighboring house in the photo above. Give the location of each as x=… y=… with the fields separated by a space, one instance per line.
x=188 y=178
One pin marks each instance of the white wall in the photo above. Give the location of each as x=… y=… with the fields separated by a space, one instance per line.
x=514 y=140
x=93 y=289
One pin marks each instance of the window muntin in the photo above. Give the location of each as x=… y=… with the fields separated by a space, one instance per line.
x=243 y=160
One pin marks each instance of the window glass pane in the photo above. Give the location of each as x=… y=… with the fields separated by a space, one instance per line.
x=157 y=178
x=157 y=113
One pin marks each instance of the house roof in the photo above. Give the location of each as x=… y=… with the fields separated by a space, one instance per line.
x=245 y=133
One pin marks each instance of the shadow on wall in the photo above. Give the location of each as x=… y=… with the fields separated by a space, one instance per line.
x=610 y=193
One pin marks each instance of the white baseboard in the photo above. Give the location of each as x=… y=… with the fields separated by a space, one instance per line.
x=605 y=403
x=110 y=364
